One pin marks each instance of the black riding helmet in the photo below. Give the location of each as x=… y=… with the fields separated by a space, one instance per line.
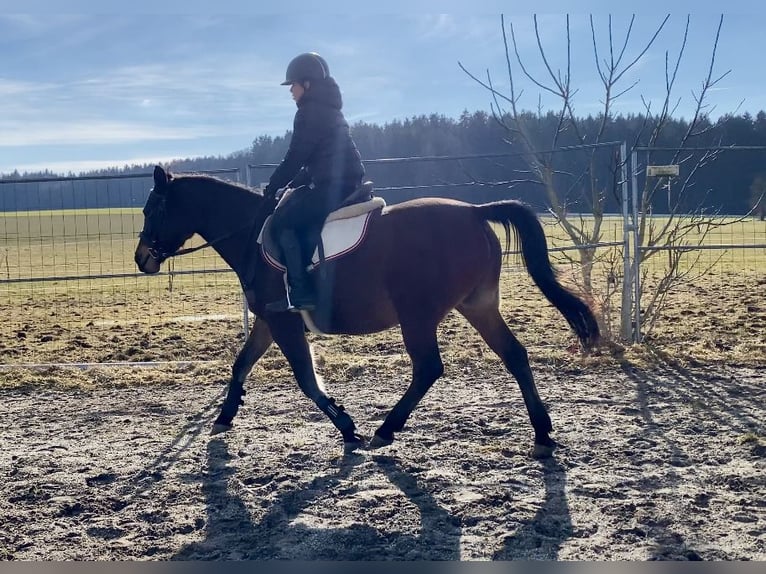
x=306 y=67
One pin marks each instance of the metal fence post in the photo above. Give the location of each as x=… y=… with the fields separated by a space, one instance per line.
x=626 y=315
x=636 y=251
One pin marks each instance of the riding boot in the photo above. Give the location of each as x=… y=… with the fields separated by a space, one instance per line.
x=301 y=294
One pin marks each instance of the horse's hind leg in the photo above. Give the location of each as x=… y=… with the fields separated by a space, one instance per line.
x=486 y=319
x=420 y=342
x=256 y=345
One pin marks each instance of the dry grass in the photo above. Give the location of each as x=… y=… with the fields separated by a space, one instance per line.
x=724 y=322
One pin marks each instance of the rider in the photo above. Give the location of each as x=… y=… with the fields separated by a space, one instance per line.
x=323 y=156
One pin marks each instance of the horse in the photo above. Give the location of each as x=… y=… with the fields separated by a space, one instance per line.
x=421 y=259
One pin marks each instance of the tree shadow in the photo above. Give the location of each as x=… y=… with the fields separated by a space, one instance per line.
x=541 y=537
x=232 y=534
x=723 y=399
x=711 y=399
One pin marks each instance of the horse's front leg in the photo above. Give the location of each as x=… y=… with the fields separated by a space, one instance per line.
x=423 y=348
x=289 y=334
x=256 y=345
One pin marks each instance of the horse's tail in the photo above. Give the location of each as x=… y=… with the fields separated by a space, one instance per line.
x=534 y=250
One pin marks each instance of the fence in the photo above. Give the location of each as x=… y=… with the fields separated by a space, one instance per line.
x=697 y=244
x=68 y=282
x=69 y=291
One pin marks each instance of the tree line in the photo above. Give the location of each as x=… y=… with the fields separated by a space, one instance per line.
x=490 y=166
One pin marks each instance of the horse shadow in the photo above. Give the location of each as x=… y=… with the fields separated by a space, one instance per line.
x=232 y=534
x=145 y=479
x=541 y=537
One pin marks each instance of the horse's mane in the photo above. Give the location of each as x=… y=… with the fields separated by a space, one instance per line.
x=207 y=178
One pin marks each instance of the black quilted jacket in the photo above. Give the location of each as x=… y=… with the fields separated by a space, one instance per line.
x=321 y=142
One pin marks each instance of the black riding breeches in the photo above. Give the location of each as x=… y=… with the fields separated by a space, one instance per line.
x=306 y=209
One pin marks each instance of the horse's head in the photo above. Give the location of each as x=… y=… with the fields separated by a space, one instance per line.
x=165 y=227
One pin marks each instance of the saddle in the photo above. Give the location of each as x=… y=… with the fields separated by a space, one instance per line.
x=343 y=231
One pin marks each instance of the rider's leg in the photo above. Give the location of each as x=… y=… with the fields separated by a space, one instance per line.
x=300 y=212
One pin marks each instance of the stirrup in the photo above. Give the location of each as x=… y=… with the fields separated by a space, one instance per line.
x=284 y=304
x=279 y=306
x=302 y=305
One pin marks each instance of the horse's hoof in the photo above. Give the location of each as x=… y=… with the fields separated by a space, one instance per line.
x=379 y=442
x=543 y=450
x=218 y=428
x=352 y=445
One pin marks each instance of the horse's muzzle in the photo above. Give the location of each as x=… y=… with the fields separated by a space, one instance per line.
x=146 y=261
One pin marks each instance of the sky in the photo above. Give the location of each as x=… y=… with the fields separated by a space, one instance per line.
x=88 y=89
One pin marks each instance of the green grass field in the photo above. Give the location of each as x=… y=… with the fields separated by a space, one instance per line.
x=68 y=243
x=93 y=242
x=61 y=243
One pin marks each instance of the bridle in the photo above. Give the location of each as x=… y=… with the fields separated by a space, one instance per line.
x=160 y=254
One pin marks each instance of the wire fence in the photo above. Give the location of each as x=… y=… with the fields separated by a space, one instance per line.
x=70 y=292
x=68 y=283
x=682 y=251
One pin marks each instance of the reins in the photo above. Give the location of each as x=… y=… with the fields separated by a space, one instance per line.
x=187 y=250
x=161 y=255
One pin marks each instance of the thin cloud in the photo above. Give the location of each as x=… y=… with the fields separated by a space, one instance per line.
x=16 y=88
x=447 y=26
x=62 y=167
x=155 y=102
x=439 y=26
x=13 y=134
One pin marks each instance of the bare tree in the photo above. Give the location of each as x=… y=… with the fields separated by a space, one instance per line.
x=612 y=64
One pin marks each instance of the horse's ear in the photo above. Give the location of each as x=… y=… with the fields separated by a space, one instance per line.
x=161 y=178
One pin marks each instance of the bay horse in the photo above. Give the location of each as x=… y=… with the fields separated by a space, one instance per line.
x=420 y=259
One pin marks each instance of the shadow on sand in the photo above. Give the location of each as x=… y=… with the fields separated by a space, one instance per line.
x=541 y=537
x=231 y=533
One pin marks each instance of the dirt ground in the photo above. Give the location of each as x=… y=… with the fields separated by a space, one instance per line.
x=666 y=463
x=662 y=457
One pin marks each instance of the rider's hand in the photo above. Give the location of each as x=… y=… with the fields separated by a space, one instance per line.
x=270 y=193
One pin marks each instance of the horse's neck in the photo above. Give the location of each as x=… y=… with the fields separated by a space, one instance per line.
x=228 y=222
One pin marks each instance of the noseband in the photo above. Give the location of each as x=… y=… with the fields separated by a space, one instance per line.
x=156 y=251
